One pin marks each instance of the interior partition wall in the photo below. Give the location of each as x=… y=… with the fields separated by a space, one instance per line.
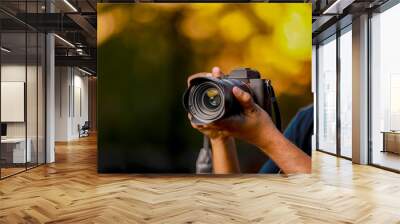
x=71 y=102
x=334 y=94
x=22 y=90
x=385 y=89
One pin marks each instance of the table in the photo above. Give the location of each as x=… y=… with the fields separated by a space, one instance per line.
x=391 y=141
x=13 y=150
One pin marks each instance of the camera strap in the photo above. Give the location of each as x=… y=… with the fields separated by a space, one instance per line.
x=275 y=108
x=204 y=159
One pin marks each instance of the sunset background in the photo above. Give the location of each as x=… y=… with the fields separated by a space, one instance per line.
x=146 y=51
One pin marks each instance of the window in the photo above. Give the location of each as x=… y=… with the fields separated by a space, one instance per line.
x=327 y=96
x=346 y=93
x=385 y=89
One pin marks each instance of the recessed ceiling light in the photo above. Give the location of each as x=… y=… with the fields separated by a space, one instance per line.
x=337 y=7
x=84 y=71
x=70 y=5
x=65 y=41
x=5 y=50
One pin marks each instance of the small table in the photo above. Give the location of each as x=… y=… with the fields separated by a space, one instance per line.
x=391 y=141
x=13 y=150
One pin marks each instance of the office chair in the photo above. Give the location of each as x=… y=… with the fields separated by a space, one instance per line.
x=84 y=130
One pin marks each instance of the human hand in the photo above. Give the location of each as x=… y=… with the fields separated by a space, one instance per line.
x=252 y=125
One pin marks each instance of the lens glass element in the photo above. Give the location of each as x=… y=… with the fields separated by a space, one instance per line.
x=211 y=98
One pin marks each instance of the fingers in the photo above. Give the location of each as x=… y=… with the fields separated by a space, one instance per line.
x=216 y=72
x=194 y=125
x=197 y=126
x=244 y=99
x=203 y=126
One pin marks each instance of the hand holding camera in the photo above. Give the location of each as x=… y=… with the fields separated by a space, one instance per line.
x=240 y=105
x=222 y=106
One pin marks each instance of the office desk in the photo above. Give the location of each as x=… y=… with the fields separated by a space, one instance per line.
x=13 y=150
x=391 y=141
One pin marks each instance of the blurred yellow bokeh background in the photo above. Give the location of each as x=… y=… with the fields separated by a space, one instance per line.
x=146 y=51
x=273 y=38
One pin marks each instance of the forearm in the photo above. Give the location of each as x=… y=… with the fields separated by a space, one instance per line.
x=286 y=155
x=224 y=154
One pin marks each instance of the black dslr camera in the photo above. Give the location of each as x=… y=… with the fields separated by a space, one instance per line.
x=209 y=99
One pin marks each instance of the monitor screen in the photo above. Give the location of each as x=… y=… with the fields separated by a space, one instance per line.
x=3 y=129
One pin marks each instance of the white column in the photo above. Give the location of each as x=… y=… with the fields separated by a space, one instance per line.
x=50 y=98
x=62 y=103
x=360 y=90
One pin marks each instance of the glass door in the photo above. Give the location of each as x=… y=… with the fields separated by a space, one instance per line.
x=14 y=153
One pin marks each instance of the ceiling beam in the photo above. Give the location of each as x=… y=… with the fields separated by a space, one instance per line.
x=86 y=27
x=78 y=61
x=337 y=7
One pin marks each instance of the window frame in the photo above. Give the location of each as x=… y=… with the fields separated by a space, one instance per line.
x=333 y=37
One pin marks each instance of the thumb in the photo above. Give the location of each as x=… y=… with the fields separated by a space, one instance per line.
x=244 y=98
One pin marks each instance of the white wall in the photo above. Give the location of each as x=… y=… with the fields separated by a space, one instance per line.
x=80 y=110
x=62 y=81
x=12 y=73
x=33 y=126
x=71 y=102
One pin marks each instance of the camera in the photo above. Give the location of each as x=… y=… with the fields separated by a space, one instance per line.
x=209 y=99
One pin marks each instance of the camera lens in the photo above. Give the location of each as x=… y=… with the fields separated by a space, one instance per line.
x=207 y=101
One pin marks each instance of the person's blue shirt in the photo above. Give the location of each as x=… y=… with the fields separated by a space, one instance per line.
x=299 y=132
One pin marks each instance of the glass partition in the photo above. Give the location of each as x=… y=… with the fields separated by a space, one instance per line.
x=14 y=151
x=22 y=88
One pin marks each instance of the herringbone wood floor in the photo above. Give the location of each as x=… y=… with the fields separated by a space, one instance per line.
x=70 y=191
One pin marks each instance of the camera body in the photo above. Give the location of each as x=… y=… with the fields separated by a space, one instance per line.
x=209 y=99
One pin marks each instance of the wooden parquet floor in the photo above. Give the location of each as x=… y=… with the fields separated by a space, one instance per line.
x=71 y=191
